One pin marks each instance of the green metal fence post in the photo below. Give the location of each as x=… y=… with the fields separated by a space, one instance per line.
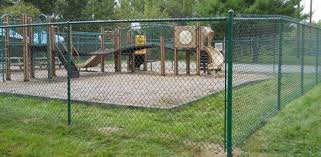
x=230 y=27
x=302 y=61
x=317 y=57
x=68 y=56
x=281 y=27
x=274 y=48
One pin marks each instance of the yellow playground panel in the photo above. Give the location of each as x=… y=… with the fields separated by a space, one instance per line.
x=140 y=40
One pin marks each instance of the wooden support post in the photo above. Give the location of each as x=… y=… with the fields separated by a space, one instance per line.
x=162 y=48
x=30 y=53
x=145 y=60
x=71 y=43
x=118 y=52
x=175 y=62
x=145 y=56
x=198 y=50
x=129 y=59
x=132 y=66
x=26 y=76
x=188 y=58
x=7 y=56
x=51 y=43
x=102 y=46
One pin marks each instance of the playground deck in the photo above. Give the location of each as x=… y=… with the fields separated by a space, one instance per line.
x=140 y=89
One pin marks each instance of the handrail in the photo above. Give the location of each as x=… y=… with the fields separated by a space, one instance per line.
x=77 y=53
x=75 y=50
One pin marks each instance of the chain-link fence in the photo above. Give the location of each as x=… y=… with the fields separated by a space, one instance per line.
x=204 y=83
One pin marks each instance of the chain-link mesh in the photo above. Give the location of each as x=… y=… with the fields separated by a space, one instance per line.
x=142 y=80
x=281 y=57
x=151 y=80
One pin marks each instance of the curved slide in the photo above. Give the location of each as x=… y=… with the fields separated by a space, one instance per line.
x=216 y=59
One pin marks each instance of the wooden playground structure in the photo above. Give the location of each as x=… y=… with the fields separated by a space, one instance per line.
x=191 y=39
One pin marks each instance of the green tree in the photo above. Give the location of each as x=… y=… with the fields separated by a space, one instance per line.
x=291 y=8
x=179 y=8
x=5 y=3
x=70 y=9
x=140 y=9
x=20 y=8
x=45 y=6
x=99 y=9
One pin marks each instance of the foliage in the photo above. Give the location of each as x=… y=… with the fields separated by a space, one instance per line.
x=108 y=9
x=140 y=9
x=45 y=6
x=70 y=9
x=221 y=7
x=20 y=8
x=5 y=3
x=99 y=9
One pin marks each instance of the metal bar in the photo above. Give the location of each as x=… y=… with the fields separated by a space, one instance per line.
x=280 y=65
x=302 y=60
x=230 y=26
x=69 y=73
x=123 y=21
x=274 y=17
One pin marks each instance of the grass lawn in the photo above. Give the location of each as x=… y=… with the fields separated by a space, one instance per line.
x=294 y=132
x=36 y=127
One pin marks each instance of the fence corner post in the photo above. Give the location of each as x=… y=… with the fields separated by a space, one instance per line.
x=230 y=26
x=69 y=72
x=280 y=64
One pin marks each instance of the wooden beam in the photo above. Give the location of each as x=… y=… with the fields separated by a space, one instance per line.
x=198 y=50
x=129 y=58
x=25 y=49
x=51 y=43
x=188 y=58
x=7 y=56
x=31 y=65
x=162 y=48
x=175 y=62
x=145 y=60
x=117 y=56
x=102 y=47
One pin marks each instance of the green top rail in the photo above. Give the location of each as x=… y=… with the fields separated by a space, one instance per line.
x=121 y=21
x=218 y=18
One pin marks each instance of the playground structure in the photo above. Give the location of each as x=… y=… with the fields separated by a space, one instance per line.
x=132 y=43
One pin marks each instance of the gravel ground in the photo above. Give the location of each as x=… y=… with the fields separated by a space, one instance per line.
x=141 y=89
